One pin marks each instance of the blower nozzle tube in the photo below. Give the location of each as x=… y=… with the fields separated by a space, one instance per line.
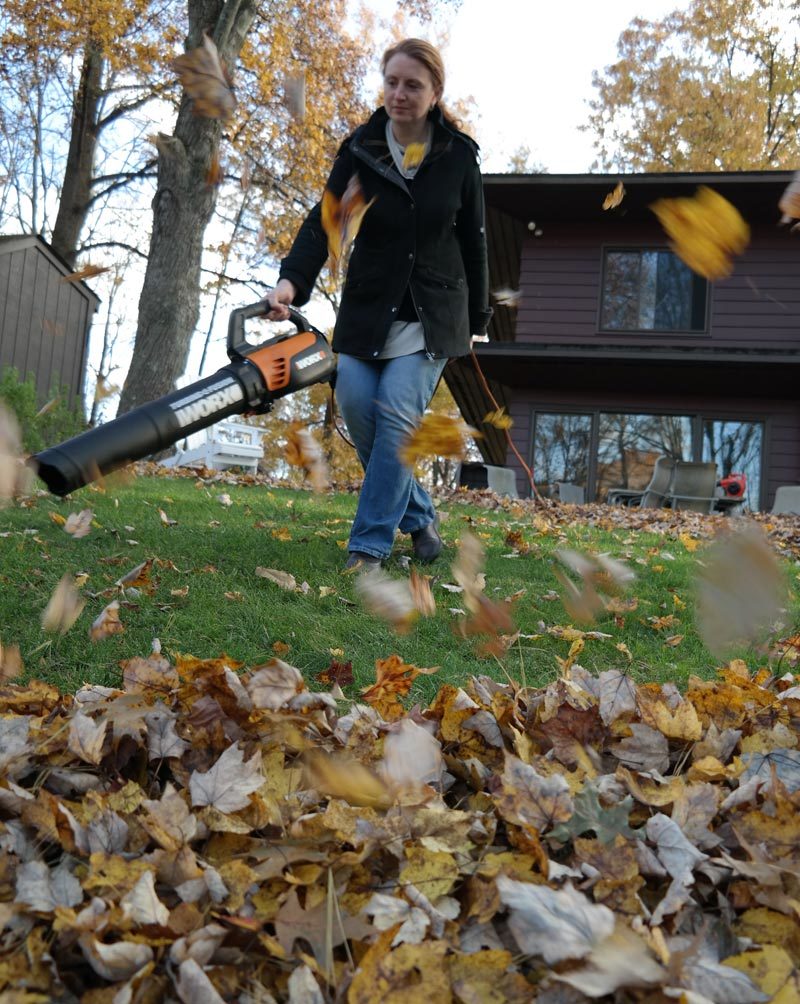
x=231 y=390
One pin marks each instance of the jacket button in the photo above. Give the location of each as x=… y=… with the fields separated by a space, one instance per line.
x=413 y=205
x=394 y=310
x=411 y=257
x=374 y=353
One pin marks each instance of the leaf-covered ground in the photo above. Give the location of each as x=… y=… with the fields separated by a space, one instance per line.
x=212 y=830
x=207 y=834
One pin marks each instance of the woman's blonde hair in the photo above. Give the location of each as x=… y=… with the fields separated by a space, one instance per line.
x=430 y=57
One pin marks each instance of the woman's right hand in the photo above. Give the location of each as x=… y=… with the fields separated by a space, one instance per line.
x=279 y=300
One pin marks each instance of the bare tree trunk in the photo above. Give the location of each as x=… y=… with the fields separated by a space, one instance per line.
x=73 y=204
x=182 y=207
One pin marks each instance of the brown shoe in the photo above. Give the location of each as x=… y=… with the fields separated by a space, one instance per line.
x=427 y=542
x=360 y=558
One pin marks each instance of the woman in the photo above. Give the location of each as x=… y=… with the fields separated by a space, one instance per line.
x=415 y=292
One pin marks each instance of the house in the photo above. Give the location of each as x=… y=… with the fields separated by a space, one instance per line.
x=616 y=352
x=44 y=321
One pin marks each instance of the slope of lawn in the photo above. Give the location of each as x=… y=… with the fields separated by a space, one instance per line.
x=206 y=537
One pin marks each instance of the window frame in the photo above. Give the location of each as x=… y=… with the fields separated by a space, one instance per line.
x=649 y=332
x=697 y=418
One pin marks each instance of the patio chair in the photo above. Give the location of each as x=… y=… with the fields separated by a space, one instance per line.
x=787 y=499
x=653 y=494
x=574 y=494
x=693 y=486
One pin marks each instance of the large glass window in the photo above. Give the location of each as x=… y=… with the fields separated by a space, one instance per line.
x=736 y=449
x=628 y=446
x=651 y=291
x=561 y=445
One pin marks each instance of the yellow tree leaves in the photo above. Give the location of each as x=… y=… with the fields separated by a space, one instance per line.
x=706 y=231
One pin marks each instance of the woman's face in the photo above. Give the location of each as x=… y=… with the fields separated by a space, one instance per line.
x=408 y=91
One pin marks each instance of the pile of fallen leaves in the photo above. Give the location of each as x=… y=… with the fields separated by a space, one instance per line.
x=213 y=832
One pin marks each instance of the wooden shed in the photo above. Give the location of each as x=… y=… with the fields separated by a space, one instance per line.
x=44 y=321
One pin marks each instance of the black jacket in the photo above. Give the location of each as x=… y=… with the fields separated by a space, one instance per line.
x=426 y=233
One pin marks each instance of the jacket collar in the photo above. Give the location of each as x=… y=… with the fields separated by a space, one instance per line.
x=368 y=143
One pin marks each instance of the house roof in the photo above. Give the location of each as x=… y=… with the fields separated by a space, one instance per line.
x=519 y=204
x=538 y=198
x=12 y=242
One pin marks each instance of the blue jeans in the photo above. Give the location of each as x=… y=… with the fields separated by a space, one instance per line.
x=382 y=401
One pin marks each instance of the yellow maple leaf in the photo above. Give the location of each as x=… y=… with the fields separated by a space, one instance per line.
x=341 y=219
x=615 y=196
x=436 y=436
x=414 y=155
x=706 y=231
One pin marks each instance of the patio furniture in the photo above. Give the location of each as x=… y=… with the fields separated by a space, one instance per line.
x=653 y=494
x=226 y=444
x=573 y=494
x=787 y=499
x=693 y=486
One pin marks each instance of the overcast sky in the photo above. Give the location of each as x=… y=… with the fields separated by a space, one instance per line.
x=528 y=64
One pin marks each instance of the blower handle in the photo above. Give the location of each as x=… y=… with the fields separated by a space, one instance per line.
x=237 y=346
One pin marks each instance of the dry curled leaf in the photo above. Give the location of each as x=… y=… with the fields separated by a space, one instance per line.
x=615 y=196
x=227 y=786
x=302 y=450
x=107 y=623
x=87 y=272
x=740 y=589
x=64 y=607
x=341 y=220
x=283 y=579
x=706 y=231
x=507 y=297
x=437 y=436
x=206 y=81
x=294 y=94
x=78 y=524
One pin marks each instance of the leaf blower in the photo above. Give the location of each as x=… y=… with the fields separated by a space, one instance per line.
x=256 y=376
x=733 y=486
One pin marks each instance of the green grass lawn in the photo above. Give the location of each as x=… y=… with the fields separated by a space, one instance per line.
x=214 y=550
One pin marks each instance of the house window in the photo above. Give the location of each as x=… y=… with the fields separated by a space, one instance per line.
x=651 y=291
x=736 y=449
x=561 y=444
x=628 y=445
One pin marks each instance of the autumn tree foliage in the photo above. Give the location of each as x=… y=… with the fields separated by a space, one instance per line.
x=71 y=73
x=711 y=87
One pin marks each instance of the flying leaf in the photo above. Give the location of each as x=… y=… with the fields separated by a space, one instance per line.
x=10 y=662
x=64 y=606
x=48 y=406
x=621 y=960
x=215 y=173
x=615 y=196
x=555 y=924
x=78 y=524
x=499 y=419
x=706 y=231
x=740 y=589
x=413 y=156
x=294 y=94
x=436 y=436
x=302 y=450
x=104 y=389
x=411 y=756
x=206 y=81
x=421 y=593
x=10 y=449
x=347 y=779
x=107 y=623
x=789 y=203
x=341 y=220
x=387 y=598
x=227 y=786
x=166 y=520
x=87 y=272
x=507 y=297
